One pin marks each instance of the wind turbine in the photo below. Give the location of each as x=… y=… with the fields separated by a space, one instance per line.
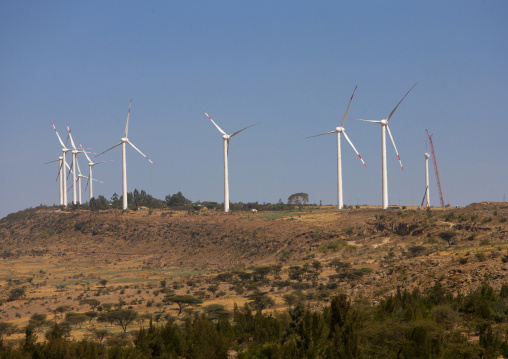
x=226 y=139
x=90 y=178
x=338 y=131
x=63 y=166
x=384 y=128
x=123 y=141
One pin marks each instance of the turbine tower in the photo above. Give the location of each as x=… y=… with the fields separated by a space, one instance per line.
x=63 y=167
x=90 y=178
x=384 y=128
x=123 y=142
x=226 y=139
x=340 y=130
x=60 y=175
x=427 y=155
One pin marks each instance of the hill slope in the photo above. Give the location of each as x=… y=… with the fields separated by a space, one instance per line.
x=59 y=257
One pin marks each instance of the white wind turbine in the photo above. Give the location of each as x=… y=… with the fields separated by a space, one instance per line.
x=338 y=131
x=226 y=139
x=63 y=167
x=90 y=179
x=384 y=128
x=123 y=141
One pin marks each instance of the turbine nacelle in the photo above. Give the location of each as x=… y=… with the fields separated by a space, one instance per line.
x=124 y=140
x=226 y=137
x=383 y=122
x=339 y=129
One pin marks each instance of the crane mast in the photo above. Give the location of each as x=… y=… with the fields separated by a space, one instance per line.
x=436 y=169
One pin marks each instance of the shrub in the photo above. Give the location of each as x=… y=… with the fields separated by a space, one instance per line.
x=463 y=260
x=481 y=256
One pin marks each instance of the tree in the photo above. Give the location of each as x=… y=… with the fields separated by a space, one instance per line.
x=6 y=329
x=122 y=317
x=182 y=301
x=91 y=315
x=16 y=293
x=37 y=320
x=213 y=288
x=260 y=301
x=216 y=311
x=99 y=203
x=447 y=236
x=259 y=273
x=61 y=310
x=100 y=334
x=176 y=200
x=115 y=201
x=298 y=199
x=75 y=318
x=93 y=303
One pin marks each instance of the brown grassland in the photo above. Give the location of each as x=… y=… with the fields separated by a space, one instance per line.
x=58 y=258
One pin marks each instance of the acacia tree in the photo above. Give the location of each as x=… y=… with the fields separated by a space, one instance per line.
x=260 y=301
x=93 y=303
x=298 y=199
x=182 y=301
x=122 y=317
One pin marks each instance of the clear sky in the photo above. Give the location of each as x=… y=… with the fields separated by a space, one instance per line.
x=291 y=65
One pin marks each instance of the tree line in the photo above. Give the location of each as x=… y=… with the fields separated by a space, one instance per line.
x=138 y=199
x=406 y=324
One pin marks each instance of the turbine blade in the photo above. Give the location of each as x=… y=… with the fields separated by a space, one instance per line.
x=227 y=148
x=397 y=152
x=358 y=119
x=50 y=162
x=70 y=135
x=351 y=143
x=96 y=180
x=345 y=115
x=327 y=133
x=86 y=154
x=59 y=139
x=59 y=170
x=87 y=183
x=220 y=129
x=237 y=132
x=407 y=93
x=77 y=165
x=96 y=163
x=130 y=143
x=108 y=149
x=127 y=124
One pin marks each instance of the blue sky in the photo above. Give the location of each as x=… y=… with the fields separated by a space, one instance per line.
x=290 y=65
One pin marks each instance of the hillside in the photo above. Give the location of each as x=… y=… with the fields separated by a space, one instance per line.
x=58 y=258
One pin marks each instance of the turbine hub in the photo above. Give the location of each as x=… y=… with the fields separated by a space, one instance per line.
x=339 y=129
x=124 y=140
x=226 y=137
x=427 y=155
x=384 y=122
